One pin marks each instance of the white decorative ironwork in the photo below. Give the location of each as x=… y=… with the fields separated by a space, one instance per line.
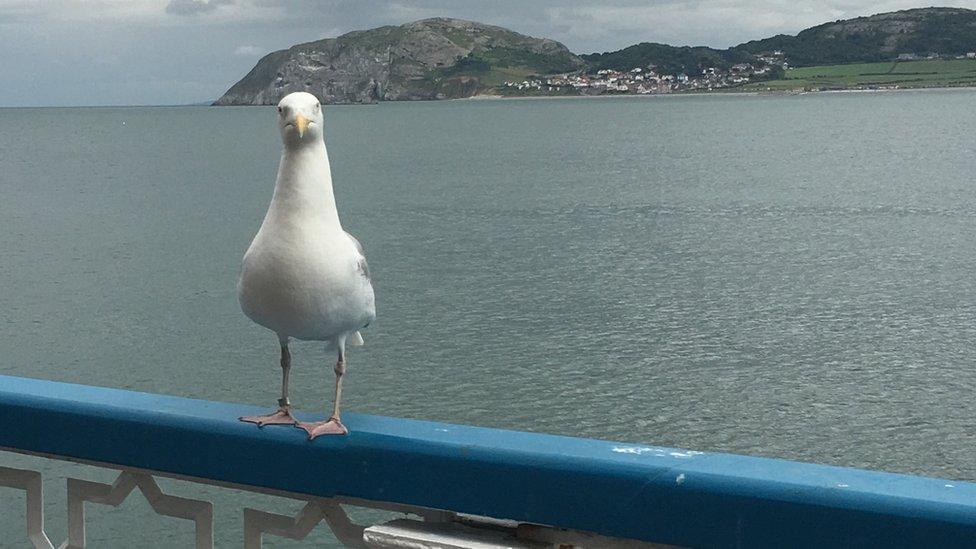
x=30 y=483
x=80 y=491
x=258 y=522
x=435 y=529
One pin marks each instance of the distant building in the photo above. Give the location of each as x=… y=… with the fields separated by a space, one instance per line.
x=906 y=57
x=971 y=55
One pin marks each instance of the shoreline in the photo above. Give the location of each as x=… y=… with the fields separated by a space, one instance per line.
x=600 y=96
x=750 y=93
x=495 y=97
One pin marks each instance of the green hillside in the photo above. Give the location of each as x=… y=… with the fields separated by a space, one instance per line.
x=946 y=32
x=496 y=65
x=902 y=74
x=882 y=37
x=667 y=59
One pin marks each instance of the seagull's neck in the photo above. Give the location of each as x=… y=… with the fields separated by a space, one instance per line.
x=304 y=185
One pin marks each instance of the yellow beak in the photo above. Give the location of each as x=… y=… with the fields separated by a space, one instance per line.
x=302 y=124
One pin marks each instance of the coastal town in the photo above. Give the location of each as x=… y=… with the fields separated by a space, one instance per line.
x=652 y=80
x=649 y=80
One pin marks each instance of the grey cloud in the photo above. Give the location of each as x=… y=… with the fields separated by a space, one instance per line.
x=18 y=12
x=194 y=7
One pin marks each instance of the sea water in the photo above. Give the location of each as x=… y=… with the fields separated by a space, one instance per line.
x=787 y=276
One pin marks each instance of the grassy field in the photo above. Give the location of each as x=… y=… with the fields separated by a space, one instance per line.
x=499 y=75
x=934 y=73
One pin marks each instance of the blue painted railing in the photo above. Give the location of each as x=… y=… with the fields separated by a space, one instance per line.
x=615 y=489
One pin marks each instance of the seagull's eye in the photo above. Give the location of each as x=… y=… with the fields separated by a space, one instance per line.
x=279 y=110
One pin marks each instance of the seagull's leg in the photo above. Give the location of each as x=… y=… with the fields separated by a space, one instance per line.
x=332 y=426
x=281 y=416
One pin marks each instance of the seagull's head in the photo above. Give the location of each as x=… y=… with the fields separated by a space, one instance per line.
x=300 y=119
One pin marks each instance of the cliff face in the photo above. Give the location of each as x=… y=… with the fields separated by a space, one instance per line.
x=429 y=59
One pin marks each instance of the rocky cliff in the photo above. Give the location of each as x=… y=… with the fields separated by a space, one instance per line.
x=429 y=59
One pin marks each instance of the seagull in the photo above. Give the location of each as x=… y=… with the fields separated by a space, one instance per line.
x=304 y=277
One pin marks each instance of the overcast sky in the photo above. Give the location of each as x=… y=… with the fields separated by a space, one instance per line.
x=147 y=52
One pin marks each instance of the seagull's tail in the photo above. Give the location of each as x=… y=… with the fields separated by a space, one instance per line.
x=354 y=339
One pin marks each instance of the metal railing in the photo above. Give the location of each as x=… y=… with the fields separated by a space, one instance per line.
x=464 y=485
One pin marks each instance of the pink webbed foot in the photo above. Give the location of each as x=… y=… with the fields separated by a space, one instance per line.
x=282 y=416
x=331 y=427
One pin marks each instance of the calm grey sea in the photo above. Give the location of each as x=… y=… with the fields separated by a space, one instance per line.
x=778 y=276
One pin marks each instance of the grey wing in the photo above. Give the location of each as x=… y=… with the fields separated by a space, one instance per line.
x=362 y=266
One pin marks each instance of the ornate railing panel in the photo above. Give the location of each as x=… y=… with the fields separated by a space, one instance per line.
x=30 y=483
x=80 y=491
x=257 y=523
x=541 y=490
